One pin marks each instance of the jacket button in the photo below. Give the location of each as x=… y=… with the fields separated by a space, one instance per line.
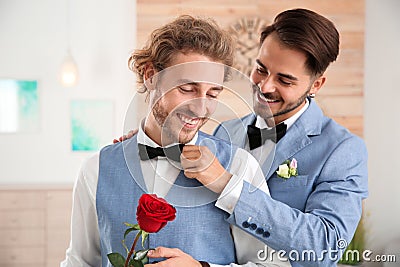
x=246 y=224
x=266 y=234
x=259 y=231
x=253 y=226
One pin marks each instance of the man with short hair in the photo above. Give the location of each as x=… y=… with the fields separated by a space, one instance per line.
x=317 y=207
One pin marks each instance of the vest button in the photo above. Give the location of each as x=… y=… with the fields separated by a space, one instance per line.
x=253 y=226
x=266 y=234
x=259 y=231
x=246 y=224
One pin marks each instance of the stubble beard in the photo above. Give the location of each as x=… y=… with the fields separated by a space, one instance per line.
x=267 y=115
x=173 y=132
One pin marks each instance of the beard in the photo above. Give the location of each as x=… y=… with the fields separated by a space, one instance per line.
x=266 y=113
x=172 y=130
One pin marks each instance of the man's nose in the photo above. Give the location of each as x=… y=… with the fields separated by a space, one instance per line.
x=267 y=85
x=202 y=106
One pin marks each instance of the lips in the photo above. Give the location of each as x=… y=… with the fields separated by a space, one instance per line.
x=189 y=122
x=263 y=99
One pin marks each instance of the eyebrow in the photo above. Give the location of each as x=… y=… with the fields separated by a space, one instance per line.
x=284 y=75
x=187 y=81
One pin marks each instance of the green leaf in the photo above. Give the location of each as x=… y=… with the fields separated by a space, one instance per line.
x=116 y=259
x=128 y=231
x=135 y=263
x=136 y=226
x=145 y=260
x=144 y=236
x=124 y=245
x=141 y=254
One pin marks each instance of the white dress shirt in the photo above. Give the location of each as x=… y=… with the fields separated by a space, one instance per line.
x=260 y=152
x=84 y=248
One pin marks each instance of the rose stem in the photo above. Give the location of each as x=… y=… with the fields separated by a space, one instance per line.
x=132 y=248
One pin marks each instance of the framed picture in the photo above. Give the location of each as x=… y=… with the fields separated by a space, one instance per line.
x=19 y=106
x=91 y=124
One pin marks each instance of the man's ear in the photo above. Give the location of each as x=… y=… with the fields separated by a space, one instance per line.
x=317 y=84
x=148 y=73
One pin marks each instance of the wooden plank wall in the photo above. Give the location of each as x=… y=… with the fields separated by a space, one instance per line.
x=342 y=96
x=34 y=225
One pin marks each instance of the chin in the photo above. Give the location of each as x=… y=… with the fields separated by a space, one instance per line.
x=186 y=136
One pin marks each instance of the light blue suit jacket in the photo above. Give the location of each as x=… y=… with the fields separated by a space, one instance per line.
x=320 y=208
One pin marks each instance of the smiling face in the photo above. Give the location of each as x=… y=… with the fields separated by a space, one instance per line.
x=283 y=81
x=178 y=113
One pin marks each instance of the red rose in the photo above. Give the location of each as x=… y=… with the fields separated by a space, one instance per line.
x=153 y=213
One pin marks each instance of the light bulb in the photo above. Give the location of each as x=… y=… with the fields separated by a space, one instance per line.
x=69 y=71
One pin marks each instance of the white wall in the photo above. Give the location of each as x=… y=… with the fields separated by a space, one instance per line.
x=32 y=46
x=382 y=128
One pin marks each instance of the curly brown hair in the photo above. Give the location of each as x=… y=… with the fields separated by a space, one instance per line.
x=184 y=34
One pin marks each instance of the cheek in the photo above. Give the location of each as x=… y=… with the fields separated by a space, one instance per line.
x=254 y=77
x=174 y=103
x=289 y=94
x=212 y=106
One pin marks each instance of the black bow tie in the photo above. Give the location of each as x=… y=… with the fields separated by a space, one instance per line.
x=257 y=136
x=172 y=152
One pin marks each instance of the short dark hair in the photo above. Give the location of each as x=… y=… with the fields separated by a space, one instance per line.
x=184 y=34
x=309 y=32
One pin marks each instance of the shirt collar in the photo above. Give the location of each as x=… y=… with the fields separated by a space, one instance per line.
x=260 y=123
x=144 y=139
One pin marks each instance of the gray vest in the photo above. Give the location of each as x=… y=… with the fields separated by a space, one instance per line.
x=199 y=229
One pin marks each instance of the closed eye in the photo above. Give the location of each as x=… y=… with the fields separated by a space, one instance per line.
x=214 y=92
x=262 y=71
x=185 y=88
x=213 y=95
x=285 y=82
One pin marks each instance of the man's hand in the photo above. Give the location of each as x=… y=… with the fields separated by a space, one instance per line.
x=175 y=258
x=200 y=163
x=125 y=136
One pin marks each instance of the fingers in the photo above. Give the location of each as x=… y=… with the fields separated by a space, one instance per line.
x=163 y=252
x=131 y=133
x=196 y=158
x=191 y=152
x=126 y=136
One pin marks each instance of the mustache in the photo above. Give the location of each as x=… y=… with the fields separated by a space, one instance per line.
x=266 y=96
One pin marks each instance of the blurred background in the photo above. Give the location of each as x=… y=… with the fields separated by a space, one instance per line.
x=65 y=90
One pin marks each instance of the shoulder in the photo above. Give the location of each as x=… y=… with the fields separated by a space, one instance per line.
x=216 y=144
x=340 y=147
x=239 y=121
x=234 y=126
x=90 y=166
x=203 y=137
x=338 y=134
x=112 y=147
x=88 y=176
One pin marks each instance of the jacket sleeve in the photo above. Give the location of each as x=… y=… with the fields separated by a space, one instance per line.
x=318 y=235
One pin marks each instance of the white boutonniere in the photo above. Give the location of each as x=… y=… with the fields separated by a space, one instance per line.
x=287 y=169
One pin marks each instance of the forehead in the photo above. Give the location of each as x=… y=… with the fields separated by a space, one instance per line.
x=207 y=72
x=278 y=57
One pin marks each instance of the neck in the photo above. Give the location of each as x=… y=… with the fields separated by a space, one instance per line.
x=290 y=113
x=153 y=130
